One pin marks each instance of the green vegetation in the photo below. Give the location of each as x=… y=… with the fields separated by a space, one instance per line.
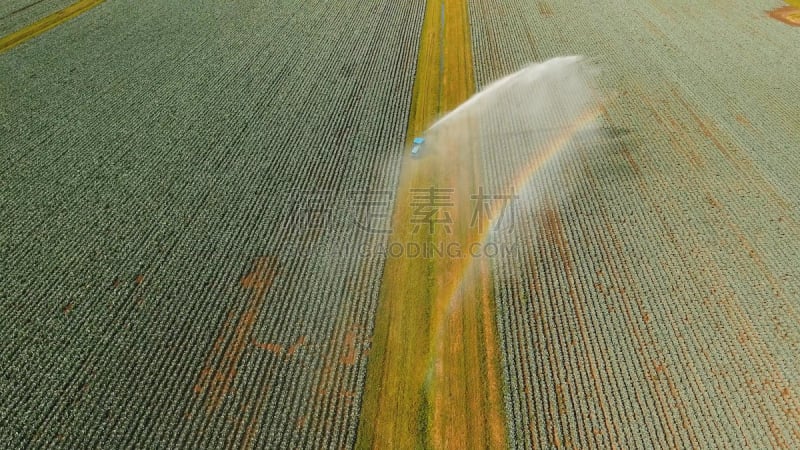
x=40 y=26
x=179 y=248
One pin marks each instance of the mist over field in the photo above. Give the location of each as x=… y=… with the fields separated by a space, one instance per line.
x=531 y=118
x=399 y=224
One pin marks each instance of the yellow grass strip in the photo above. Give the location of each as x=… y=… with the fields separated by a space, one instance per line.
x=433 y=378
x=51 y=21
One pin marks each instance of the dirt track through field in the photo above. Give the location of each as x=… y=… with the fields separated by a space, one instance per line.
x=47 y=23
x=433 y=376
x=163 y=284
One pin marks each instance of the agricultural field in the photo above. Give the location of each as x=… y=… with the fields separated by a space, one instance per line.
x=197 y=199
x=18 y=14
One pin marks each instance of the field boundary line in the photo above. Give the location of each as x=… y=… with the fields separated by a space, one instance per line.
x=47 y=23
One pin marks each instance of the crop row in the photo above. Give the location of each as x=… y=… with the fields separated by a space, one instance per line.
x=653 y=287
x=141 y=186
x=16 y=14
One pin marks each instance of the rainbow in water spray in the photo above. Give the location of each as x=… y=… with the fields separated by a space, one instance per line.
x=559 y=94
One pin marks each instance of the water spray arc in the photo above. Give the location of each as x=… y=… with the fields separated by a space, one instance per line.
x=554 y=100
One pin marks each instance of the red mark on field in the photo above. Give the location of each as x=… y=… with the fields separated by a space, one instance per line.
x=68 y=308
x=787 y=14
x=272 y=348
x=743 y=121
x=352 y=344
x=545 y=9
x=221 y=365
x=296 y=346
x=343 y=352
x=743 y=338
x=278 y=348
